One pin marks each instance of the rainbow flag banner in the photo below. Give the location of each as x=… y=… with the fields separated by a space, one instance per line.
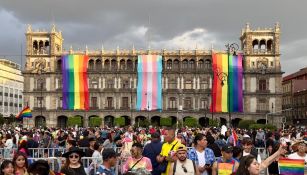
x=25 y=113
x=233 y=72
x=75 y=84
x=149 y=88
x=291 y=166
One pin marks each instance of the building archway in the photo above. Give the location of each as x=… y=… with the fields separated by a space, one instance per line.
x=261 y=121
x=109 y=120
x=223 y=121
x=235 y=122
x=155 y=120
x=62 y=121
x=174 y=120
x=203 y=121
x=94 y=121
x=127 y=120
x=40 y=121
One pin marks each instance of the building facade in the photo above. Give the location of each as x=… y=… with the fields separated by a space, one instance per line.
x=186 y=80
x=11 y=88
x=295 y=97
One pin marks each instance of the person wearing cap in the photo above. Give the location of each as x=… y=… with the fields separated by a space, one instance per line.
x=109 y=157
x=137 y=162
x=73 y=165
x=225 y=163
x=152 y=150
x=183 y=165
x=201 y=155
x=301 y=151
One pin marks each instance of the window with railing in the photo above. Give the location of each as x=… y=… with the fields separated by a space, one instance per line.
x=262 y=85
x=185 y=64
x=125 y=84
x=110 y=84
x=172 y=84
x=109 y=102
x=94 y=102
x=169 y=64
x=188 y=103
x=188 y=84
x=125 y=103
x=172 y=103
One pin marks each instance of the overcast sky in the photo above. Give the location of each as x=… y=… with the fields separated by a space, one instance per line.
x=171 y=24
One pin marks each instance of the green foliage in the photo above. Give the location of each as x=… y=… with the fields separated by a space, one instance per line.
x=244 y=124
x=142 y=123
x=256 y=126
x=270 y=127
x=1 y=119
x=120 y=121
x=73 y=121
x=213 y=123
x=95 y=121
x=190 y=122
x=165 y=121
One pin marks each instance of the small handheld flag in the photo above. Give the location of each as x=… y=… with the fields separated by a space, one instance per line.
x=291 y=166
x=25 y=113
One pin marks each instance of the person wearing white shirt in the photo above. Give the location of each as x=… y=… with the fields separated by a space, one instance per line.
x=301 y=151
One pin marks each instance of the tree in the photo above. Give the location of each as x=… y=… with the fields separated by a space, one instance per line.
x=73 y=121
x=120 y=121
x=95 y=121
x=244 y=124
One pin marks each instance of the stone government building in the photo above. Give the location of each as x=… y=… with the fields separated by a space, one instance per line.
x=186 y=81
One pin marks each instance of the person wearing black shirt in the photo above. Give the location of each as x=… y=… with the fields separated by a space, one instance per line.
x=73 y=165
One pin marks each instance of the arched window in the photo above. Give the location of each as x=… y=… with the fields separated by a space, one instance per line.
x=172 y=103
x=169 y=64
x=192 y=64
x=176 y=65
x=255 y=44
x=185 y=64
x=129 y=65
x=35 y=45
x=207 y=64
x=91 y=64
x=107 y=64
x=41 y=47
x=98 y=64
x=269 y=45
x=200 y=64
x=114 y=64
x=262 y=45
x=122 y=64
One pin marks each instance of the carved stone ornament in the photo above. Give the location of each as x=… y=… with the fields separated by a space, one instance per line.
x=40 y=65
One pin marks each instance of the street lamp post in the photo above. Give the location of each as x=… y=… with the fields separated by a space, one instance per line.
x=266 y=115
x=224 y=76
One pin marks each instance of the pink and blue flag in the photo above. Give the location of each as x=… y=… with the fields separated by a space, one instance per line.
x=149 y=89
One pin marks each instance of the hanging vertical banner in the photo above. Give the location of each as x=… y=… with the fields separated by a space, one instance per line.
x=75 y=84
x=149 y=88
x=223 y=73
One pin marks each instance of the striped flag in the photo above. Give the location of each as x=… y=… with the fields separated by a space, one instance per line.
x=235 y=137
x=149 y=88
x=75 y=86
x=233 y=73
x=25 y=113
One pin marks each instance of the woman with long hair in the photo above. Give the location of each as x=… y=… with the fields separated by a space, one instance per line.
x=73 y=165
x=20 y=163
x=250 y=166
x=7 y=168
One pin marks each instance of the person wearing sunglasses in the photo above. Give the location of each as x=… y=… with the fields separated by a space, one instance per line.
x=183 y=165
x=73 y=165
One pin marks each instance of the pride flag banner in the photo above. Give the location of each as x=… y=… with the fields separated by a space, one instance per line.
x=149 y=88
x=291 y=166
x=25 y=113
x=223 y=71
x=75 y=84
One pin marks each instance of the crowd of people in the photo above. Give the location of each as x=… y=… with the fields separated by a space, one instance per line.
x=153 y=150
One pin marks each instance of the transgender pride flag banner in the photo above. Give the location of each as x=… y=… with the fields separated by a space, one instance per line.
x=149 y=89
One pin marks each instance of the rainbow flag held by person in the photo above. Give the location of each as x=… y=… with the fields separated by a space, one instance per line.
x=291 y=166
x=149 y=88
x=75 y=85
x=225 y=168
x=235 y=137
x=25 y=113
x=222 y=73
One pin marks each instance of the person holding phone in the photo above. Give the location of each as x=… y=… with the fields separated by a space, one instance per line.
x=201 y=155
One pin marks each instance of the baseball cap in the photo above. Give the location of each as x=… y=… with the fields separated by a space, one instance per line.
x=182 y=147
x=227 y=148
x=109 y=153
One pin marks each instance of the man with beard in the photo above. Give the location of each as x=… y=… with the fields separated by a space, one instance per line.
x=183 y=166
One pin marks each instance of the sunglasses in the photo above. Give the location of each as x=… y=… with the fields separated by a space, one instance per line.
x=74 y=156
x=184 y=169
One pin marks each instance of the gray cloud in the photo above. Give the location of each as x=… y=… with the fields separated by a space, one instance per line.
x=173 y=23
